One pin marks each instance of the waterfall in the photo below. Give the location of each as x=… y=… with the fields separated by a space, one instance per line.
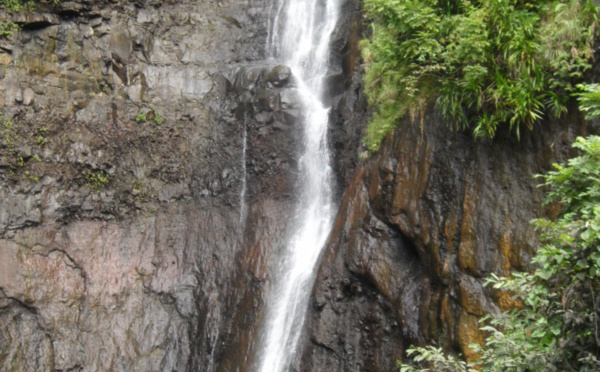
x=245 y=176
x=300 y=39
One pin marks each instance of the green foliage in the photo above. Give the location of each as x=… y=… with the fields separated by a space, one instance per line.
x=157 y=118
x=7 y=28
x=525 y=338
x=17 y=5
x=7 y=133
x=141 y=117
x=97 y=180
x=589 y=100
x=434 y=357
x=21 y=5
x=486 y=63
x=556 y=327
x=153 y=115
x=32 y=177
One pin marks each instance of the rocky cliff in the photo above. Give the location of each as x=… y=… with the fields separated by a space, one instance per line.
x=148 y=158
x=121 y=224
x=423 y=222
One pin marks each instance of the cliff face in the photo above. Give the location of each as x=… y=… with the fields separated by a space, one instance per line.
x=148 y=156
x=135 y=243
x=424 y=221
x=118 y=238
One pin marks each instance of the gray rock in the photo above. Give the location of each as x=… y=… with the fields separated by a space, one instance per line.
x=28 y=96
x=86 y=30
x=279 y=76
x=124 y=256
x=121 y=45
x=18 y=95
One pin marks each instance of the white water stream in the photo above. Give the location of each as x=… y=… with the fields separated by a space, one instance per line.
x=300 y=39
x=244 y=172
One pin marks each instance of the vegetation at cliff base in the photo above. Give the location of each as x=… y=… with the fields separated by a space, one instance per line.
x=556 y=328
x=485 y=63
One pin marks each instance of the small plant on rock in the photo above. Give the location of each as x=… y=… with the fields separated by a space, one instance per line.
x=7 y=133
x=151 y=115
x=32 y=177
x=97 y=180
x=157 y=118
x=141 y=117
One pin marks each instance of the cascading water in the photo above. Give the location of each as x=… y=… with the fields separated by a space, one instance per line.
x=244 y=180
x=300 y=39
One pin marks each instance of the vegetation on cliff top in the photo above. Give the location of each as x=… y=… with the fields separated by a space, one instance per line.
x=556 y=328
x=486 y=63
x=6 y=26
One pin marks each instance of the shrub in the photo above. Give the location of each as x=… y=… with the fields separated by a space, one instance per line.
x=485 y=63
x=153 y=115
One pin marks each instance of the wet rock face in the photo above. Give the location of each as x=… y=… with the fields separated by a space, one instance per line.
x=135 y=231
x=120 y=179
x=348 y=115
x=424 y=221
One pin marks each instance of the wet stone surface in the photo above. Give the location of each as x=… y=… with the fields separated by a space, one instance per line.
x=423 y=222
x=123 y=242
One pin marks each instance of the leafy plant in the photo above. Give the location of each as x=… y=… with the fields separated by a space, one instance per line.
x=157 y=118
x=7 y=133
x=153 y=115
x=97 y=180
x=7 y=28
x=141 y=117
x=435 y=357
x=32 y=177
x=485 y=63
x=589 y=100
